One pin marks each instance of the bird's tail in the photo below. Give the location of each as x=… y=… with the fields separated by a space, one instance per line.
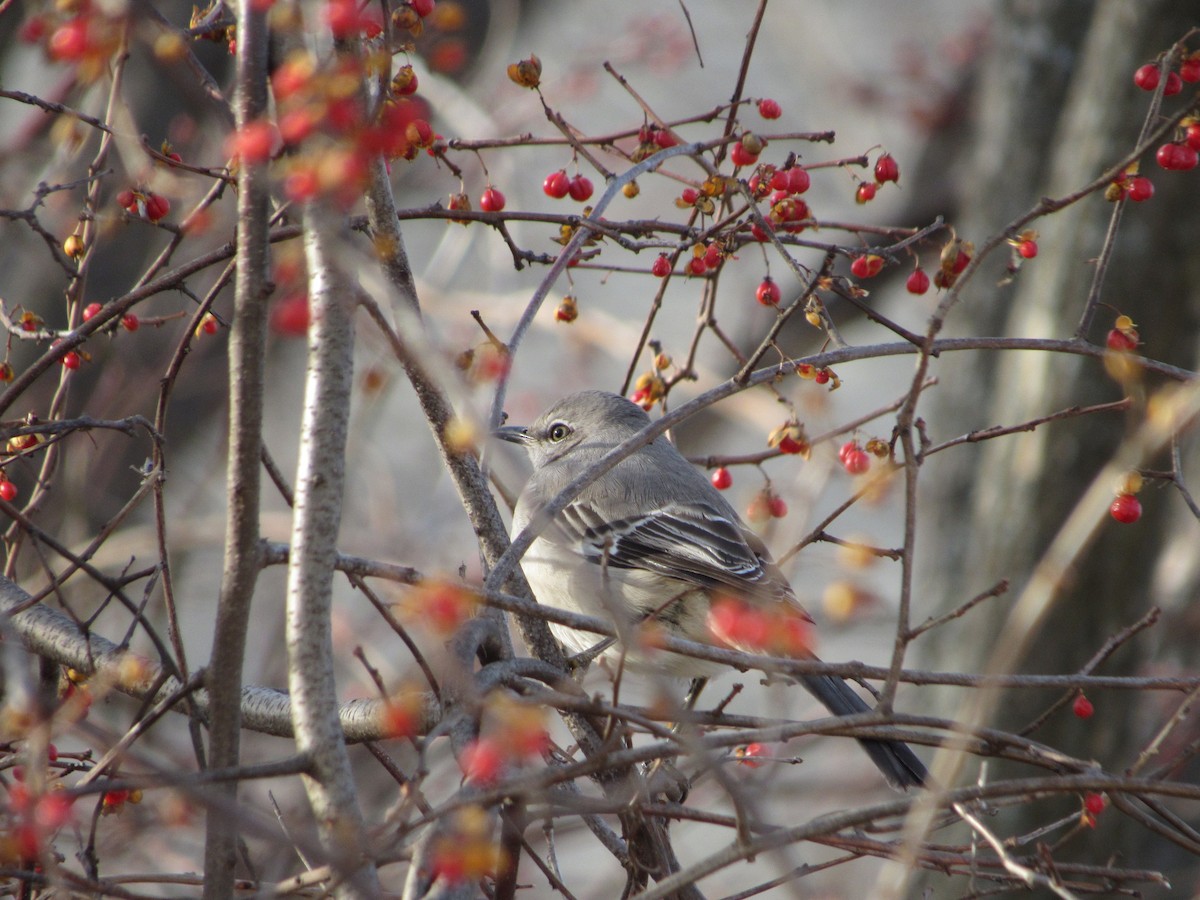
x=894 y=759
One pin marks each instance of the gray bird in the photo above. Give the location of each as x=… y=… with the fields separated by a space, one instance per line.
x=652 y=538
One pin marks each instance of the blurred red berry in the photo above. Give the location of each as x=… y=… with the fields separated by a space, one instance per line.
x=1126 y=509
x=482 y=761
x=1146 y=77
x=1176 y=157
x=70 y=41
x=580 y=188
x=1140 y=188
x=157 y=206
x=752 y=755
x=290 y=316
x=556 y=185
x=769 y=109
x=491 y=200
x=740 y=156
x=768 y=292
x=887 y=169
x=918 y=282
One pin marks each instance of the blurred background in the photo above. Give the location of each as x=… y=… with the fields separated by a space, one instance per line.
x=987 y=105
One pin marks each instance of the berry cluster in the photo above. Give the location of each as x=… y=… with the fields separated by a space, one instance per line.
x=1183 y=153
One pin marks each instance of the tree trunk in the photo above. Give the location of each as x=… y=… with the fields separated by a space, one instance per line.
x=1055 y=106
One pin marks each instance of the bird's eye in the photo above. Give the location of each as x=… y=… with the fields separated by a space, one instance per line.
x=558 y=432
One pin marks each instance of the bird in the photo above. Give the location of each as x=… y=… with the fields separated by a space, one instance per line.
x=652 y=539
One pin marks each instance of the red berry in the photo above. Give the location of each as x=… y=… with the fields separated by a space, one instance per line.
x=1193 y=136
x=1146 y=77
x=777 y=507
x=406 y=82
x=664 y=138
x=798 y=180
x=8 y=491
x=758 y=234
x=1126 y=509
x=580 y=188
x=1178 y=157
x=789 y=445
x=712 y=256
x=1189 y=69
x=740 y=156
x=1028 y=249
x=52 y=811
x=209 y=324
x=769 y=109
x=252 y=142
x=696 y=266
x=846 y=449
x=556 y=185
x=481 y=761
x=661 y=267
x=70 y=41
x=130 y=322
x=71 y=360
x=421 y=7
x=32 y=30
x=343 y=18
x=867 y=266
x=887 y=169
x=768 y=292
x=290 y=316
x=866 y=192
x=1174 y=84
x=125 y=200
x=721 y=479
x=491 y=200
x=157 y=206
x=1142 y=188
x=752 y=755
x=857 y=461
x=1094 y=803
x=822 y=376
x=91 y=310
x=1082 y=707
x=779 y=180
x=1120 y=341
x=918 y=282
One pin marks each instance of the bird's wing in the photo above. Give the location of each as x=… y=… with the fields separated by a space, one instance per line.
x=696 y=543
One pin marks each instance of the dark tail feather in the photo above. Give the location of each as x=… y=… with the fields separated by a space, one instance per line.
x=895 y=760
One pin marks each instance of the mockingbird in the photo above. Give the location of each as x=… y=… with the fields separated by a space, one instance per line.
x=653 y=539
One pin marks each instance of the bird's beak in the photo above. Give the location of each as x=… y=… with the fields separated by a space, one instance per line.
x=514 y=434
